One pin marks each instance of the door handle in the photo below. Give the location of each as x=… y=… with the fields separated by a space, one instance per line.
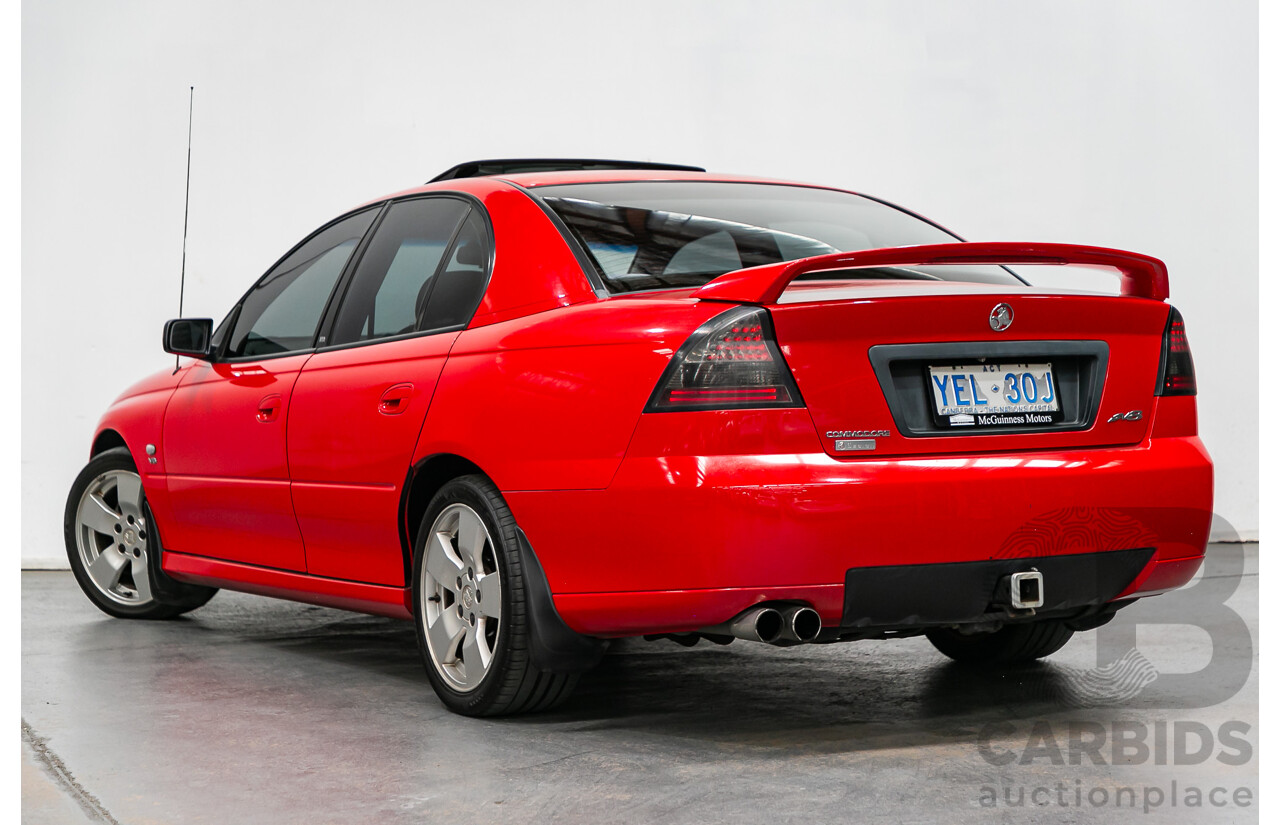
x=247 y=372
x=395 y=400
x=269 y=408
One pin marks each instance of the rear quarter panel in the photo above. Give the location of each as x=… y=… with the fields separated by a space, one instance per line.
x=533 y=269
x=549 y=402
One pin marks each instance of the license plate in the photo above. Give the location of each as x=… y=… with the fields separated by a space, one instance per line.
x=994 y=395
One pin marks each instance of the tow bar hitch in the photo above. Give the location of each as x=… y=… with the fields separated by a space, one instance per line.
x=1021 y=591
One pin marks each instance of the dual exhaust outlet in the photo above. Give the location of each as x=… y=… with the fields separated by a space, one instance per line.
x=790 y=625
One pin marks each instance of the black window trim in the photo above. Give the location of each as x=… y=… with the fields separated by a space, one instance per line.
x=344 y=283
x=339 y=291
x=221 y=357
x=348 y=272
x=589 y=266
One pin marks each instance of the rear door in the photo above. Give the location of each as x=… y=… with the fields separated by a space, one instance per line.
x=360 y=402
x=224 y=428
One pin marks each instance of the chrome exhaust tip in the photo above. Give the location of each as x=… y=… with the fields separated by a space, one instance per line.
x=800 y=625
x=756 y=624
x=792 y=625
x=761 y=624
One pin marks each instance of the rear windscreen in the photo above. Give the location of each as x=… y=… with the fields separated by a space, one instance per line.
x=668 y=234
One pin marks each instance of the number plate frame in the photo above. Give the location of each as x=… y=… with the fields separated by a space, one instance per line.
x=1000 y=410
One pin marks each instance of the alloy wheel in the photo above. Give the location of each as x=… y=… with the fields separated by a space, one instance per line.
x=462 y=604
x=111 y=537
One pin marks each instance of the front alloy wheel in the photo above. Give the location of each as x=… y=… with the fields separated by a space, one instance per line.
x=112 y=544
x=111 y=537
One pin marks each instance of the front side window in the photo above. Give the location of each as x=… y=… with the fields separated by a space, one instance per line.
x=422 y=253
x=283 y=310
x=668 y=234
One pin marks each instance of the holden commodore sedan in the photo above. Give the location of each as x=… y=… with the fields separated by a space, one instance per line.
x=534 y=406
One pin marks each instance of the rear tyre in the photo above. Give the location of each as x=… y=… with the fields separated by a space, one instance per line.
x=470 y=608
x=1011 y=644
x=113 y=545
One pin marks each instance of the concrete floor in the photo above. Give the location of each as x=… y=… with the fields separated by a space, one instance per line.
x=254 y=710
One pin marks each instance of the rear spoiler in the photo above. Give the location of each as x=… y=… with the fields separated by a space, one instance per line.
x=1140 y=275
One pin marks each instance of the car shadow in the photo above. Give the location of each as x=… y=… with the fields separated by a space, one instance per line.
x=812 y=701
x=860 y=696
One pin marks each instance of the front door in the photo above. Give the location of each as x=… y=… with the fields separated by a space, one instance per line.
x=228 y=475
x=224 y=428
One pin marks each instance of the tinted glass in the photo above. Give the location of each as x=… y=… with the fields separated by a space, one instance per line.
x=398 y=273
x=460 y=284
x=215 y=343
x=282 y=312
x=663 y=234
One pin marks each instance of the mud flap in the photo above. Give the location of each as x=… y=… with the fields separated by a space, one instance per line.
x=553 y=645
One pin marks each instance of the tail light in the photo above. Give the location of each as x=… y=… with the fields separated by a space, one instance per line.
x=1177 y=372
x=732 y=362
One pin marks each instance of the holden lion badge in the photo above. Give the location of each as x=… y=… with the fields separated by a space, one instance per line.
x=1001 y=317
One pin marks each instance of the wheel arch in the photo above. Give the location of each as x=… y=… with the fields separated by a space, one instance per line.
x=553 y=645
x=107 y=439
x=423 y=481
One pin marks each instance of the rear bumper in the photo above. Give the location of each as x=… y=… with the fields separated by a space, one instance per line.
x=681 y=542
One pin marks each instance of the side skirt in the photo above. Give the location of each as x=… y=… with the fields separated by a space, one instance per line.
x=379 y=600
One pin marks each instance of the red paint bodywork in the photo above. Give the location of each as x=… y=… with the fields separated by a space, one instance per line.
x=661 y=521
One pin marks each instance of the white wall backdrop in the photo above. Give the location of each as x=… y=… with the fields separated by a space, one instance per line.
x=1108 y=122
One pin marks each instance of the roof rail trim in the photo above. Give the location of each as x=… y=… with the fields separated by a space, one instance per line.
x=510 y=166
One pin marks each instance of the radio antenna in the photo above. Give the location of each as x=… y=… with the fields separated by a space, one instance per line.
x=186 y=211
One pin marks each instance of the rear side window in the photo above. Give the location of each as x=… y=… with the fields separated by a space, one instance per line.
x=282 y=312
x=666 y=234
x=423 y=252
x=460 y=284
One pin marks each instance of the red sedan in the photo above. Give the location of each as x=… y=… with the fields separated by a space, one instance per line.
x=536 y=405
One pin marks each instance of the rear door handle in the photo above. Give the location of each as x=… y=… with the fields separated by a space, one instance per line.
x=395 y=400
x=269 y=408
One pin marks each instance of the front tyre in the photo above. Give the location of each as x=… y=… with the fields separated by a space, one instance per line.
x=470 y=608
x=1010 y=645
x=111 y=539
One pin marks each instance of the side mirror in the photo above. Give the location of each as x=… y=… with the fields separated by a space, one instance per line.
x=188 y=336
